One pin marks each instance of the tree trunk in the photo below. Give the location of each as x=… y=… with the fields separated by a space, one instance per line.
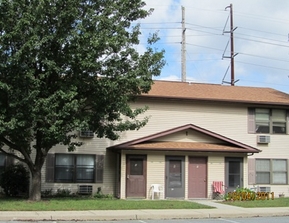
x=35 y=187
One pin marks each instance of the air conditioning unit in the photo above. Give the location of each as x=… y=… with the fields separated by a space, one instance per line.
x=263 y=139
x=264 y=189
x=86 y=134
x=84 y=189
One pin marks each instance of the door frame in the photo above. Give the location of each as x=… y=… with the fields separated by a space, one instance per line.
x=128 y=158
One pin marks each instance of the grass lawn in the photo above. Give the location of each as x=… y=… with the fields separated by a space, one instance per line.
x=68 y=204
x=277 y=202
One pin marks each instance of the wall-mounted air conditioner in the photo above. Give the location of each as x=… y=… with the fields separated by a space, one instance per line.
x=264 y=189
x=86 y=134
x=263 y=139
x=84 y=189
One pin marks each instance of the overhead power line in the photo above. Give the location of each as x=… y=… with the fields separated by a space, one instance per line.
x=244 y=35
x=269 y=58
x=277 y=68
x=256 y=30
x=264 y=42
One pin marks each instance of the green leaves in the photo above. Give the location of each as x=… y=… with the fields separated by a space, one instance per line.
x=65 y=64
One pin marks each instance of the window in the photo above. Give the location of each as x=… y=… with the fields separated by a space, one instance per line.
x=271 y=171
x=263 y=171
x=278 y=121
x=279 y=172
x=270 y=121
x=78 y=168
x=262 y=117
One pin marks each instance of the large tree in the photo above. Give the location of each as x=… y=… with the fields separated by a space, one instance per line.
x=67 y=65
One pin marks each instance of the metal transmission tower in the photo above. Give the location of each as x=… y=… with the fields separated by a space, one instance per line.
x=183 y=46
x=232 y=54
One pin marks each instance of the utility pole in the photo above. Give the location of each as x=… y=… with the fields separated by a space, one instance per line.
x=183 y=46
x=232 y=29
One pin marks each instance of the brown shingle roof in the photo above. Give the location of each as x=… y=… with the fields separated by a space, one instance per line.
x=215 y=92
x=188 y=146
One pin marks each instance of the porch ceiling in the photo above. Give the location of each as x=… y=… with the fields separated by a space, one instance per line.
x=186 y=146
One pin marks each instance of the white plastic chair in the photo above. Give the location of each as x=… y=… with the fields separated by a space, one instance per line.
x=156 y=188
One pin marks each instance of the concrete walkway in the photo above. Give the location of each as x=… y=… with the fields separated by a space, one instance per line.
x=221 y=211
x=217 y=204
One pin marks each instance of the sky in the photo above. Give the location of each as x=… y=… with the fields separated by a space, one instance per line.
x=261 y=40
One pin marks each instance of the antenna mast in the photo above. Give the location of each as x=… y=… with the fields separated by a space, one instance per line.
x=183 y=46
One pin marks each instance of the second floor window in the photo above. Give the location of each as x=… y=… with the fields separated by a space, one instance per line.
x=270 y=121
x=262 y=120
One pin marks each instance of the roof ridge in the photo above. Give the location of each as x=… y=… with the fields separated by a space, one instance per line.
x=213 y=84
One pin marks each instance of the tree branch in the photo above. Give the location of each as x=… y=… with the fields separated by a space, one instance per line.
x=12 y=155
x=26 y=156
x=8 y=143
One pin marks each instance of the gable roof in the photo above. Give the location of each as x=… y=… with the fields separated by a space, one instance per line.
x=150 y=143
x=215 y=92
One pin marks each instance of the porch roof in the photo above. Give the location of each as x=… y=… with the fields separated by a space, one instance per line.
x=187 y=146
x=152 y=143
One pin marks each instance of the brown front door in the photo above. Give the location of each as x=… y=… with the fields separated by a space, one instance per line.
x=197 y=177
x=136 y=176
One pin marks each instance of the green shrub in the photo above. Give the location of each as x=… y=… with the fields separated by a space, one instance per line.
x=243 y=189
x=63 y=193
x=47 y=193
x=240 y=194
x=100 y=195
x=15 y=180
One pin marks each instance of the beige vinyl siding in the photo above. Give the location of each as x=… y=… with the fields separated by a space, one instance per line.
x=227 y=120
x=186 y=177
x=245 y=172
x=117 y=176
x=123 y=176
x=109 y=174
x=277 y=148
x=188 y=136
x=216 y=172
x=155 y=172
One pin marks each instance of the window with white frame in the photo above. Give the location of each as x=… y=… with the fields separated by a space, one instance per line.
x=76 y=168
x=271 y=171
